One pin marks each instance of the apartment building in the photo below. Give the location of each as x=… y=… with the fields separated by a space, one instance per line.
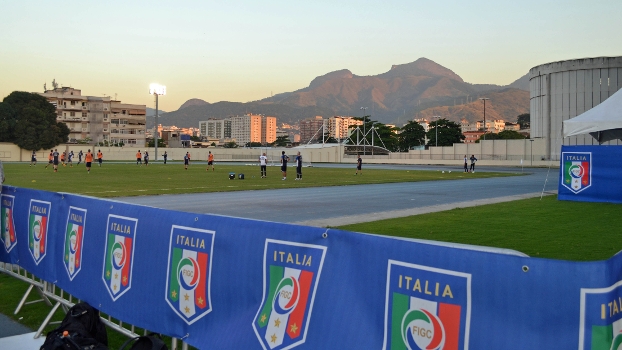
x=216 y=128
x=127 y=124
x=243 y=129
x=99 y=119
x=268 y=130
x=338 y=127
x=310 y=129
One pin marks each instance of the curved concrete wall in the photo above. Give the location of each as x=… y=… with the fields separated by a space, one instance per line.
x=565 y=89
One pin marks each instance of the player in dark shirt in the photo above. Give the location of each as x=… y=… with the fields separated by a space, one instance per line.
x=359 y=165
x=284 y=159
x=33 y=159
x=55 y=155
x=298 y=166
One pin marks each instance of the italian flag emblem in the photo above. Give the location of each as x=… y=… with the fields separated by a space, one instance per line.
x=8 y=237
x=291 y=275
x=577 y=170
x=121 y=236
x=426 y=308
x=189 y=272
x=37 y=229
x=74 y=236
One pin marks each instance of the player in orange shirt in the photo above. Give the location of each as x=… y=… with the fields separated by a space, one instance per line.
x=62 y=159
x=210 y=161
x=100 y=157
x=139 y=158
x=50 y=158
x=88 y=159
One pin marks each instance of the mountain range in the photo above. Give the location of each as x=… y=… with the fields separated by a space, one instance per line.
x=418 y=89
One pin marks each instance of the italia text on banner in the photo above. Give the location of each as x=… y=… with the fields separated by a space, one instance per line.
x=38 y=219
x=74 y=238
x=426 y=308
x=119 y=254
x=189 y=272
x=9 y=238
x=291 y=275
x=601 y=318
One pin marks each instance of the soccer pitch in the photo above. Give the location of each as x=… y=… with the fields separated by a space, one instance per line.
x=114 y=179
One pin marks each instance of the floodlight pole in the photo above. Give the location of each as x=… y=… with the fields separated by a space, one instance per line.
x=156 y=90
x=531 y=149
x=484 y=99
x=156 y=128
x=364 y=109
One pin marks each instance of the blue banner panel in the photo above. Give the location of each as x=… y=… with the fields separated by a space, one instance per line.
x=590 y=174
x=228 y=283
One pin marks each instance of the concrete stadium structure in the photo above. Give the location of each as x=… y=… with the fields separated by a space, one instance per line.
x=563 y=90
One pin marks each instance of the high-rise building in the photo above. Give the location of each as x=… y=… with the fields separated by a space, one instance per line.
x=99 y=119
x=339 y=127
x=243 y=129
x=310 y=129
x=268 y=130
x=216 y=128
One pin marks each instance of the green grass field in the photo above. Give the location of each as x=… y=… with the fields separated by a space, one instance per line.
x=126 y=179
x=545 y=228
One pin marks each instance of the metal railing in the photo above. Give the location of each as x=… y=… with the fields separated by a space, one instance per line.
x=50 y=293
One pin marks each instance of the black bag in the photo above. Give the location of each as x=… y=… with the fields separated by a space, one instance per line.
x=81 y=329
x=148 y=342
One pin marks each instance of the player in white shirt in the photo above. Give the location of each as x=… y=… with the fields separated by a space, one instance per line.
x=262 y=163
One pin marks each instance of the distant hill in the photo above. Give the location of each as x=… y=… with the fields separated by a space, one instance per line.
x=151 y=112
x=506 y=104
x=402 y=93
x=194 y=102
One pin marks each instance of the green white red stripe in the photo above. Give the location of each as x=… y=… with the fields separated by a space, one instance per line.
x=285 y=307
x=187 y=281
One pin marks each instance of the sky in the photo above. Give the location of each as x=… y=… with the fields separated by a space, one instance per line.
x=247 y=50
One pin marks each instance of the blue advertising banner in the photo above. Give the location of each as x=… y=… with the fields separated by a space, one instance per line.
x=228 y=283
x=590 y=174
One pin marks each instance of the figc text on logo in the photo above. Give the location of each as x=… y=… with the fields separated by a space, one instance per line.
x=426 y=308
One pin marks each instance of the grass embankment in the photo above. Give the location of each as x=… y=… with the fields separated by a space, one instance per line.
x=545 y=228
x=122 y=179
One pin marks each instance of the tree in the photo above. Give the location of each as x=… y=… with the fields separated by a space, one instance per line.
x=195 y=139
x=329 y=139
x=29 y=121
x=253 y=144
x=8 y=119
x=213 y=144
x=503 y=135
x=448 y=133
x=151 y=142
x=524 y=121
x=282 y=141
x=230 y=144
x=413 y=134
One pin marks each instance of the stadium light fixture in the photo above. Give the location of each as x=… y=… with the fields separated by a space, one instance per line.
x=157 y=90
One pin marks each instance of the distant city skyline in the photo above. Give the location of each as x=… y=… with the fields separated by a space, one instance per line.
x=243 y=51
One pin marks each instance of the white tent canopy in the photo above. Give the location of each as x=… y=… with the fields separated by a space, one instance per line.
x=603 y=122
